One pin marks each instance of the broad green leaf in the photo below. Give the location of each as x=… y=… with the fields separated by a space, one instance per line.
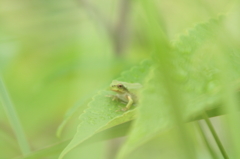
x=188 y=42
x=121 y=119
x=197 y=81
x=155 y=115
x=70 y=113
x=101 y=112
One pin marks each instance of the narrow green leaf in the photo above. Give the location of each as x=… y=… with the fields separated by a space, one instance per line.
x=13 y=119
x=206 y=142
x=218 y=141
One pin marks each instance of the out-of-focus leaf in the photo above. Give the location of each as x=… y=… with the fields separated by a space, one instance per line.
x=197 y=80
x=102 y=110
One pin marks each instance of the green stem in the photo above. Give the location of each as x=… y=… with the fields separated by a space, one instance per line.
x=211 y=128
x=13 y=119
x=211 y=151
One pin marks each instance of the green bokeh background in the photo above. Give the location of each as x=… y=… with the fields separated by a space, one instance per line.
x=54 y=54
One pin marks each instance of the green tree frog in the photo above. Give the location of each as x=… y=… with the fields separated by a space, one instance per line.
x=125 y=93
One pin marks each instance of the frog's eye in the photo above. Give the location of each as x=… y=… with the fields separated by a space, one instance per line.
x=120 y=86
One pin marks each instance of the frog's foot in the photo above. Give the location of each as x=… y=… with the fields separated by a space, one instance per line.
x=109 y=96
x=122 y=109
x=119 y=109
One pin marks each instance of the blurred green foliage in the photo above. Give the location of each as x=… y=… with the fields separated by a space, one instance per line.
x=57 y=59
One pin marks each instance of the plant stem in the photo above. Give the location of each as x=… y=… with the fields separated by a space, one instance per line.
x=13 y=119
x=211 y=151
x=211 y=128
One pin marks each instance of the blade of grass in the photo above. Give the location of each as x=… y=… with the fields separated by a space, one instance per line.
x=207 y=144
x=13 y=119
x=215 y=136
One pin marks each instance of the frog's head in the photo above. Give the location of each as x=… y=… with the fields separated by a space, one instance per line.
x=118 y=87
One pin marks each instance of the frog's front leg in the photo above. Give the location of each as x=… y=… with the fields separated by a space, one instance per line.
x=129 y=104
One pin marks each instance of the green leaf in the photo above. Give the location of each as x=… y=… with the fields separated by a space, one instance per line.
x=70 y=113
x=101 y=110
x=197 y=83
x=190 y=41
